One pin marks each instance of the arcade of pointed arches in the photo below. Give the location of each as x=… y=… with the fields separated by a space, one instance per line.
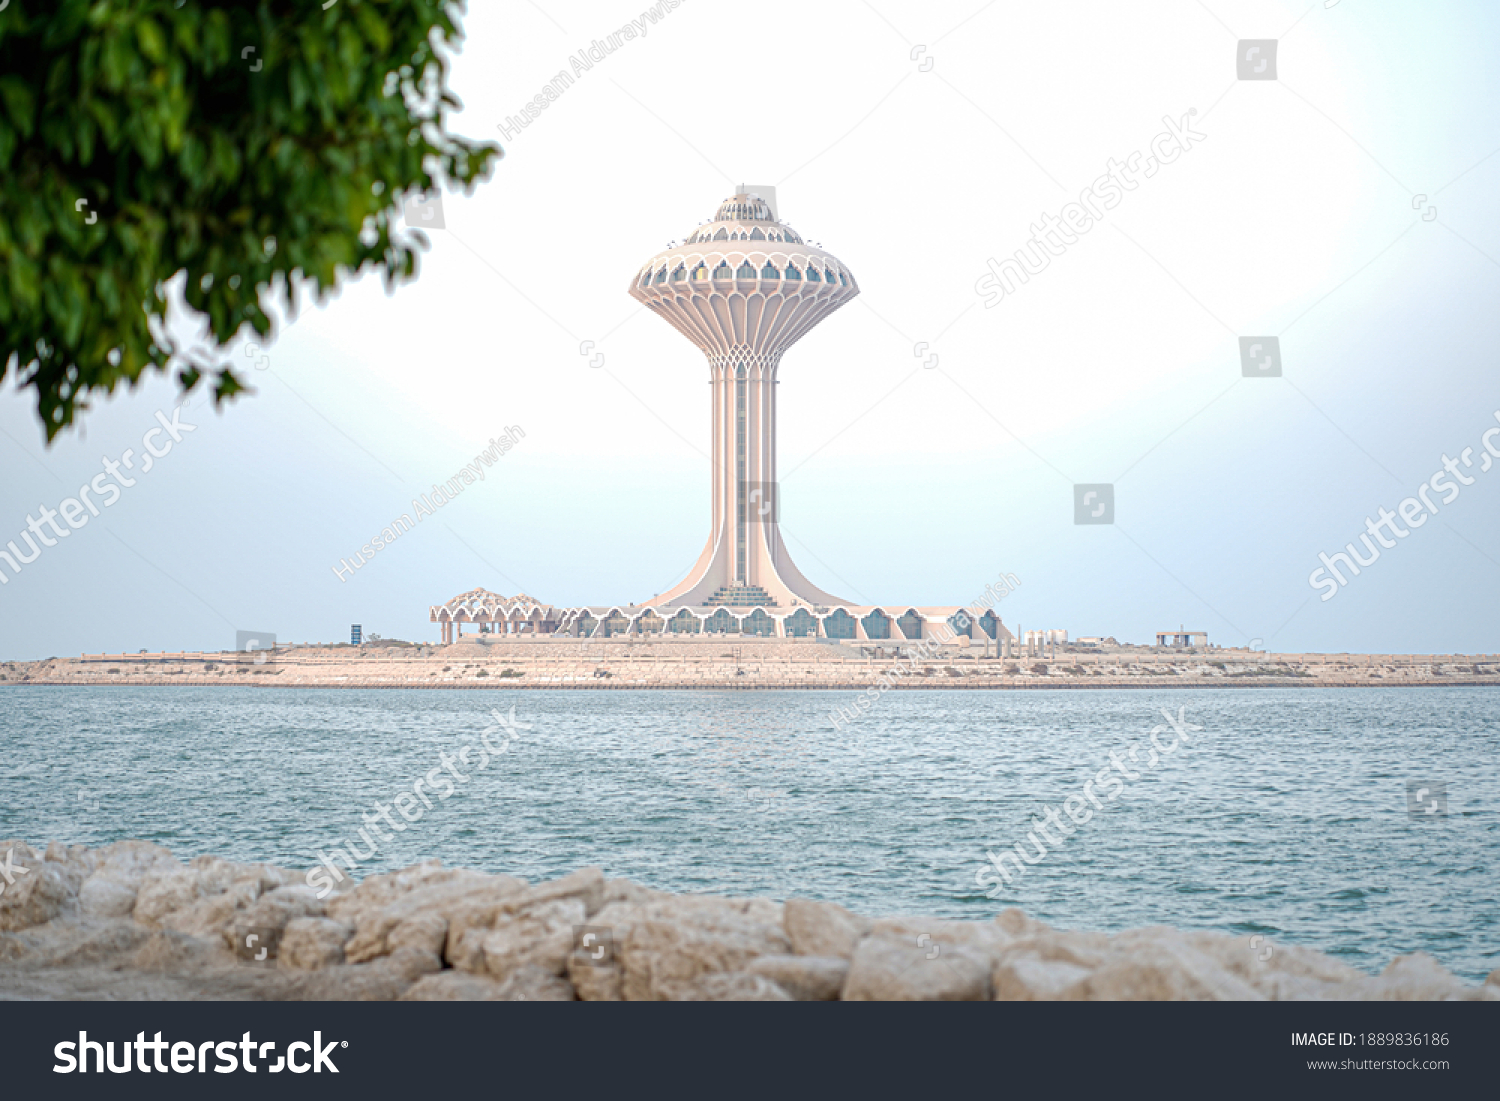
x=490 y=613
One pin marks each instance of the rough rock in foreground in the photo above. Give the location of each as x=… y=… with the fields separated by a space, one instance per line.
x=131 y=921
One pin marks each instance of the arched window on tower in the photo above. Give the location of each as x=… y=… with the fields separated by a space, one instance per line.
x=812 y=275
x=661 y=276
x=700 y=274
x=679 y=274
x=757 y=235
x=645 y=277
x=722 y=271
x=842 y=281
x=770 y=272
x=830 y=277
x=745 y=271
x=793 y=275
x=722 y=235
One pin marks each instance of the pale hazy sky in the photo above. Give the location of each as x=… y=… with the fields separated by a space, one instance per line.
x=1305 y=213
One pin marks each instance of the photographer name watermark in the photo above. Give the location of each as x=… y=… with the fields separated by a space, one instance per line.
x=581 y=62
x=429 y=503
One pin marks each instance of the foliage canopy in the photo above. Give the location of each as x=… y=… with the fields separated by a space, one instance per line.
x=253 y=145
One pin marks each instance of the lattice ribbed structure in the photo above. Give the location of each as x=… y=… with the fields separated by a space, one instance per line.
x=743 y=289
x=493 y=613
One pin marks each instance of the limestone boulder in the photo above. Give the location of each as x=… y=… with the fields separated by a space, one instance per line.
x=676 y=944
x=985 y=937
x=527 y=984
x=215 y=874
x=540 y=935
x=377 y=892
x=804 y=978
x=725 y=986
x=1023 y=978
x=434 y=909
x=587 y=885
x=1015 y=922
x=311 y=944
x=267 y=919
x=626 y=891
x=165 y=889
x=425 y=931
x=1042 y=965
x=208 y=917
x=104 y=897
x=382 y=980
x=594 y=964
x=110 y=891
x=536 y=984
x=37 y=890
x=900 y=970
x=595 y=982
x=166 y=950
x=823 y=928
x=455 y=986
x=1280 y=972
x=1159 y=965
x=73 y=944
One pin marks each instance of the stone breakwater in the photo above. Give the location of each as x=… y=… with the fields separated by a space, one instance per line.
x=131 y=921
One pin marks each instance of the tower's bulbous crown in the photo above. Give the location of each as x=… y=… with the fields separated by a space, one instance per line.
x=745 y=208
x=744 y=283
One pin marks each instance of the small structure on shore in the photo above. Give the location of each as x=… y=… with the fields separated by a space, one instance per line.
x=1182 y=638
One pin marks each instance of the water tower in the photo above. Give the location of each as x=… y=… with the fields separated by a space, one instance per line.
x=744 y=288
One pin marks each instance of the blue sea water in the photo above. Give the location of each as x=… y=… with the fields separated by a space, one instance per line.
x=1288 y=814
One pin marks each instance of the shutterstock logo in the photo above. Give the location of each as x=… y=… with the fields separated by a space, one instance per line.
x=760 y=502
x=1426 y=799
x=189 y=1058
x=1094 y=503
x=594 y=945
x=1257 y=59
x=1260 y=357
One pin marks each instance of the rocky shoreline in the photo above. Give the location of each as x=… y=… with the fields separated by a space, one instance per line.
x=130 y=921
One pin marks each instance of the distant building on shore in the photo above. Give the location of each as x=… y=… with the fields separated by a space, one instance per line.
x=1182 y=638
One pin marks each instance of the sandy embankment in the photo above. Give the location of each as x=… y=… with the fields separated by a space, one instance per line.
x=497 y=662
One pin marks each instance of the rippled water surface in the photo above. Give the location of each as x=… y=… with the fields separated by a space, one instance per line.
x=1287 y=814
